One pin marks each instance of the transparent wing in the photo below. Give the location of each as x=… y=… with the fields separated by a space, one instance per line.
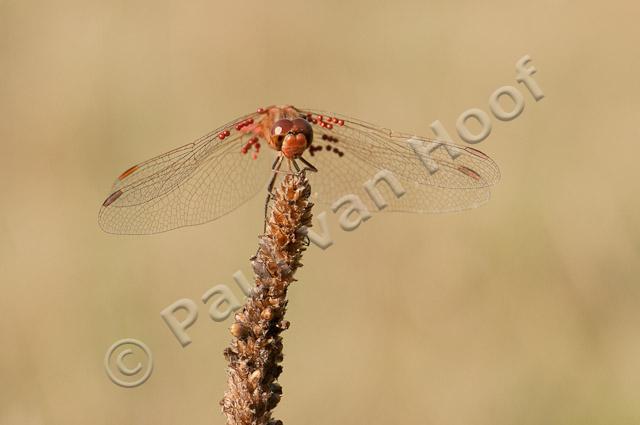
x=189 y=185
x=435 y=176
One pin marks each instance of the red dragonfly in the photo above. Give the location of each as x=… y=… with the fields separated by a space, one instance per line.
x=217 y=173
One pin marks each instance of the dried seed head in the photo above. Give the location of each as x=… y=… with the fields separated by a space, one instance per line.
x=256 y=350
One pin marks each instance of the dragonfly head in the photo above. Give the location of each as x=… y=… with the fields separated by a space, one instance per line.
x=291 y=137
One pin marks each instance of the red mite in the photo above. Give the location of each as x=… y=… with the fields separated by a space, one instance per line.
x=217 y=173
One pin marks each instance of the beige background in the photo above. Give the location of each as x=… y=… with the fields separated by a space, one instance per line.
x=524 y=311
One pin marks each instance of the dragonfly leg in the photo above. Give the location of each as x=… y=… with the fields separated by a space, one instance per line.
x=308 y=166
x=275 y=168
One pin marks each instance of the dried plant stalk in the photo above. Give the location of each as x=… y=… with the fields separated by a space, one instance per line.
x=255 y=353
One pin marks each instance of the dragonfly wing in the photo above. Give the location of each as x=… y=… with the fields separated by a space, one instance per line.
x=189 y=185
x=435 y=176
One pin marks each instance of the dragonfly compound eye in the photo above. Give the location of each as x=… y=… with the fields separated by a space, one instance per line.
x=278 y=131
x=302 y=126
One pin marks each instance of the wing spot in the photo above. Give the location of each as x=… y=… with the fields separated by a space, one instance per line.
x=476 y=152
x=469 y=172
x=112 y=198
x=128 y=172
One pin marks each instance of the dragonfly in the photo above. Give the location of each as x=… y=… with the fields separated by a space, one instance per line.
x=217 y=173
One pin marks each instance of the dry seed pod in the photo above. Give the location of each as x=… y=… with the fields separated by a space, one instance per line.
x=238 y=330
x=266 y=314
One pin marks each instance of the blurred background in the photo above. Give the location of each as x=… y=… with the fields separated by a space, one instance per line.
x=524 y=311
